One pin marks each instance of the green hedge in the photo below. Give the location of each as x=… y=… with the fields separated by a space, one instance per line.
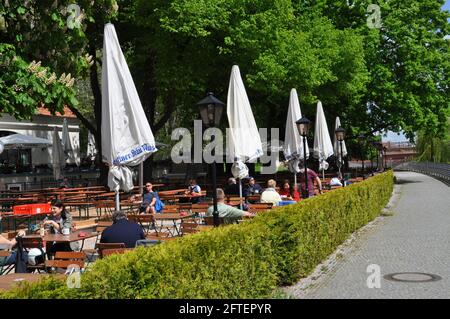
x=239 y=261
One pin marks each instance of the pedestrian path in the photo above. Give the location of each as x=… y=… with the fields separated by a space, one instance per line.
x=416 y=238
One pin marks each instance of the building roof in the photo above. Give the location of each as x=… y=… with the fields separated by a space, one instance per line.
x=67 y=112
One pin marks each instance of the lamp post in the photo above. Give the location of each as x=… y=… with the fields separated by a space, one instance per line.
x=361 y=138
x=303 y=127
x=211 y=109
x=340 y=136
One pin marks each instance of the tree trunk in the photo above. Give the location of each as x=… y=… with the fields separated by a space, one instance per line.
x=95 y=86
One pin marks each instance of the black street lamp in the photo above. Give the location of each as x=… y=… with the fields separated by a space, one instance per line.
x=361 y=139
x=340 y=136
x=211 y=110
x=303 y=127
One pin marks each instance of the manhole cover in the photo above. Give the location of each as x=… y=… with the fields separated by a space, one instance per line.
x=412 y=277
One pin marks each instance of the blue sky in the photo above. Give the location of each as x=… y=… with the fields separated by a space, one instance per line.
x=394 y=137
x=446 y=5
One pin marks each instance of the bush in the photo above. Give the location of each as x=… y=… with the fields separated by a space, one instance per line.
x=239 y=261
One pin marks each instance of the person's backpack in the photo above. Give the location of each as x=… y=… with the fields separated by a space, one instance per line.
x=159 y=205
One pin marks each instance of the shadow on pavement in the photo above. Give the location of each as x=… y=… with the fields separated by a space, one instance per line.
x=405 y=181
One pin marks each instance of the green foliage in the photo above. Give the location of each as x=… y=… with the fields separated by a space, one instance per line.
x=434 y=147
x=24 y=86
x=38 y=30
x=239 y=261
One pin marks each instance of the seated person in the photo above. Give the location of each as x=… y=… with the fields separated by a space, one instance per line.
x=193 y=189
x=270 y=195
x=230 y=214
x=285 y=191
x=336 y=181
x=232 y=189
x=59 y=220
x=122 y=231
x=252 y=188
x=148 y=200
x=10 y=244
x=296 y=194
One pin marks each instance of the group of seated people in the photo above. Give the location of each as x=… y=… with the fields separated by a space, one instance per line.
x=271 y=194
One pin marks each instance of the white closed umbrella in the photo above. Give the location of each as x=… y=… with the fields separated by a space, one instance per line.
x=336 y=144
x=127 y=139
x=244 y=142
x=91 y=151
x=323 y=148
x=58 y=157
x=293 y=144
x=69 y=152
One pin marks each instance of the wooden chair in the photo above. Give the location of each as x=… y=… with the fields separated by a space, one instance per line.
x=33 y=242
x=65 y=259
x=209 y=220
x=115 y=251
x=102 y=246
x=101 y=226
x=188 y=226
x=168 y=209
x=5 y=269
x=261 y=207
x=185 y=207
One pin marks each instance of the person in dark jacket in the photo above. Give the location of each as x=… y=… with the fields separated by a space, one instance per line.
x=122 y=231
x=232 y=189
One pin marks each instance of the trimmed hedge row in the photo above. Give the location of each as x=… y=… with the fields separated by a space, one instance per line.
x=239 y=261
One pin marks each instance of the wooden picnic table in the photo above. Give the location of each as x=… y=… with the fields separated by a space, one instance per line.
x=10 y=281
x=60 y=238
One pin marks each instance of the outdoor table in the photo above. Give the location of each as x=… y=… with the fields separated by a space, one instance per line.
x=60 y=238
x=8 y=282
x=173 y=217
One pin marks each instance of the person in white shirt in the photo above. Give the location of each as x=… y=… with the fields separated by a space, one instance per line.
x=270 y=195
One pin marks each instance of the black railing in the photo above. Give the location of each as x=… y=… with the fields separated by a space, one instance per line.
x=440 y=171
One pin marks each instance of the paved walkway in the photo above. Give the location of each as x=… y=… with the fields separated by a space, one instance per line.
x=416 y=238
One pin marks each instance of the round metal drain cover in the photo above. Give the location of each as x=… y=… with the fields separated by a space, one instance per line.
x=412 y=277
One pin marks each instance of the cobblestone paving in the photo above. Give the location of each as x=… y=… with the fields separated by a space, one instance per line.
x=416 y=238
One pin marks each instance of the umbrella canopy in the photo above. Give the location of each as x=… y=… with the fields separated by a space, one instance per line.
x=127 y=138
x=58 y=156
x=293 y=144
x=244 y=142
x=67 y=145
x=91 y=149
x=336 y=146
x=19 y=141
x=323 y=148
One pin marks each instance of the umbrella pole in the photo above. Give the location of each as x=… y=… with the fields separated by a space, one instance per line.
x=240 y=193
x=117 y=201
x=295 y=179
x=141 y=178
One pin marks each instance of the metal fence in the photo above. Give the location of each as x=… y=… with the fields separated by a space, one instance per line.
x=440 y=171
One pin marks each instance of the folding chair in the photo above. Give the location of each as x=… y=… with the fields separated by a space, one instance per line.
x=101 y=226
x=209 y=220
x=103 y=246
x=188 y=227
x=27 y=243
x=4 y=268
x=64 y=259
